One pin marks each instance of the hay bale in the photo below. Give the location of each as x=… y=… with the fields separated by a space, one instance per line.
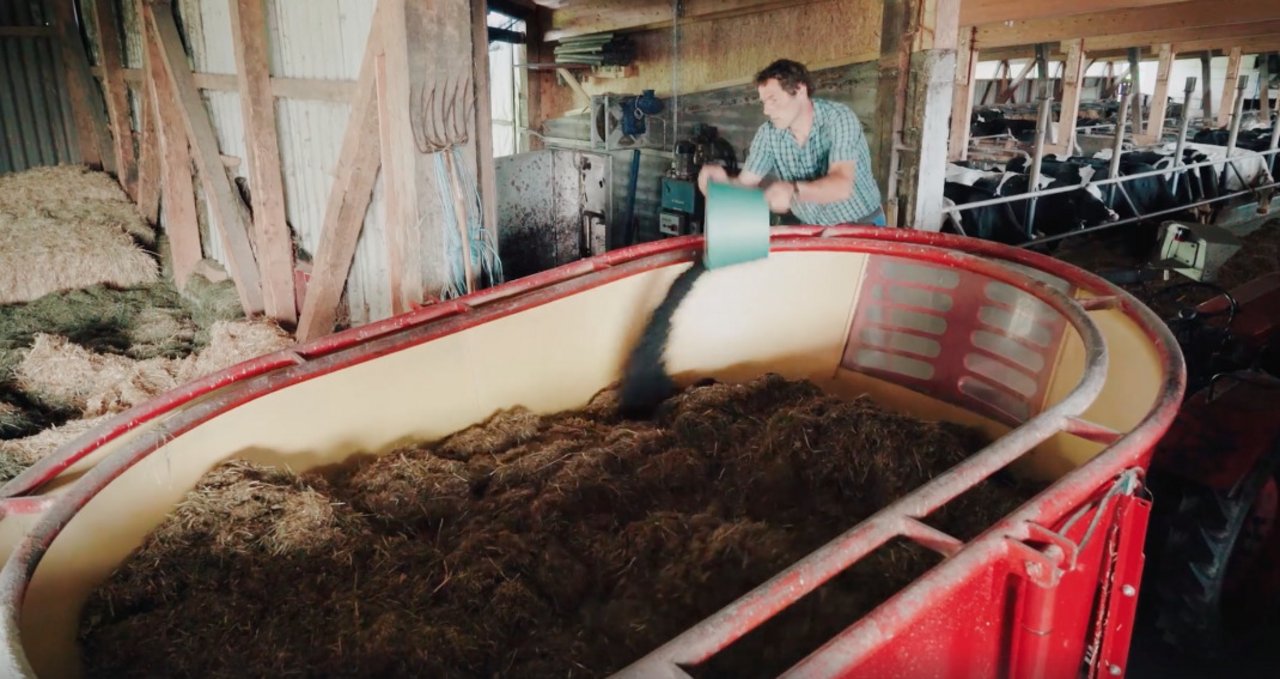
x=18 y=454
x=12 y=419
x=63 y=228
x=161 y=332
x=60 y=372
x=231 y=342
x=212 y=302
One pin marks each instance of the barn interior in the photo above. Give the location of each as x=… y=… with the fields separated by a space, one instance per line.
x=431 y=232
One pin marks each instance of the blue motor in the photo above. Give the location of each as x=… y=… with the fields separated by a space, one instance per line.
x=634 y=110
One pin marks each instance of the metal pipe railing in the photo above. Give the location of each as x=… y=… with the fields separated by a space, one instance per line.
x=1084 y=185
x=1182 y=131
x=1042 y=125
x=1131 y=220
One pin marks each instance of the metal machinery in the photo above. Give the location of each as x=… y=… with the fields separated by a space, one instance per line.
x=1214 y=577
x=683 y=207
x=1072 y=379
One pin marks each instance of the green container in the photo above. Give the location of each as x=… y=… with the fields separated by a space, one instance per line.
x=737 y=228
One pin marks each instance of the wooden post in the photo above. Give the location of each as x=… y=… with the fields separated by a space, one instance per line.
x=274 y=245
x=921 y=103
x=891 y=96
x=86 y=106
x=344 y=213
x=1160 y=99
x=1135 y=128
x=1264 y=89
x=1206 y=86
x=177 y=191
x=399 y=154
x=488 y=180
x=962 y=103
x=1229 y=88
x=1072 y=81
x=223 y=199
x=117 y=95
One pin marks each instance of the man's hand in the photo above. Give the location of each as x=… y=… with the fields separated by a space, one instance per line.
x=711 y=173
x=779 y=196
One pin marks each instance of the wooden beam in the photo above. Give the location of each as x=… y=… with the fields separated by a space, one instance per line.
x=310 y=89
x=1007 y=94
x=962 y=103
x=1072 y=81
x=86 y=103
x=177 y=191
x=1187 y=15
x=1223 y=46
x=223 y=198
x=1227 y=32
x=274 y=245
x=27 y=32
x=483 y=125
x=1229 y=88
x=1160 y=98
x=117 y=95
x=344 y=213
x=977 y=12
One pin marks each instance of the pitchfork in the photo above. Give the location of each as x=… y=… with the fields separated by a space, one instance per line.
x=443 y=114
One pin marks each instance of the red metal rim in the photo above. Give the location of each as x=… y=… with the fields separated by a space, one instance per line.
x=240 y=385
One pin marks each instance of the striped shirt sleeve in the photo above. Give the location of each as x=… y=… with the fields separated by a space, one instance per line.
x=760 y=158
x=846 y=135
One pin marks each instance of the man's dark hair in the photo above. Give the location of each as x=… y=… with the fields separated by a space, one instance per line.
x=789 y=74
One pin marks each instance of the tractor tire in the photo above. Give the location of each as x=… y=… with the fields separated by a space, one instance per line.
x=1202 y=539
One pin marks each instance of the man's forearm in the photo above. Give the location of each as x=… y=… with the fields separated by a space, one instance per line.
x=828 y=189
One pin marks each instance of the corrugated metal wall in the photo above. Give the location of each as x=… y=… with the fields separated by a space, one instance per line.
x=35 y=122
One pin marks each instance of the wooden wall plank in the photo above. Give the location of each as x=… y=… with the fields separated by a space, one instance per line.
x=223 y=198
x=86 y=105
x=356 y=171
x=117 y=95
x=148 y=158
x=274 y=245
x=177 y=190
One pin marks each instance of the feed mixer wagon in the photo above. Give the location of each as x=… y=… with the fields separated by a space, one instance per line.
x=1071 y=378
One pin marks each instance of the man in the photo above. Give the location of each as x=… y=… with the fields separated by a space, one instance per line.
x=814 y=147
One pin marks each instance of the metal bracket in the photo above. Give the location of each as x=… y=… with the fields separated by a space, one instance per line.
x=1045 y=565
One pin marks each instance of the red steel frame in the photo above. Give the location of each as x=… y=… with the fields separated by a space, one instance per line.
x=1033 y=596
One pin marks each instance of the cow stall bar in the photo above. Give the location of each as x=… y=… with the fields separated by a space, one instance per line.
x=1073 y=380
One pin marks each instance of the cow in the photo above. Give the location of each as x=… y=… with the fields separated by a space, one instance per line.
x=1007 y=222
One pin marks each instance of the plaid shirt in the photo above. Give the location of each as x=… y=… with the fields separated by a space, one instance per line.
x=836 y=137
